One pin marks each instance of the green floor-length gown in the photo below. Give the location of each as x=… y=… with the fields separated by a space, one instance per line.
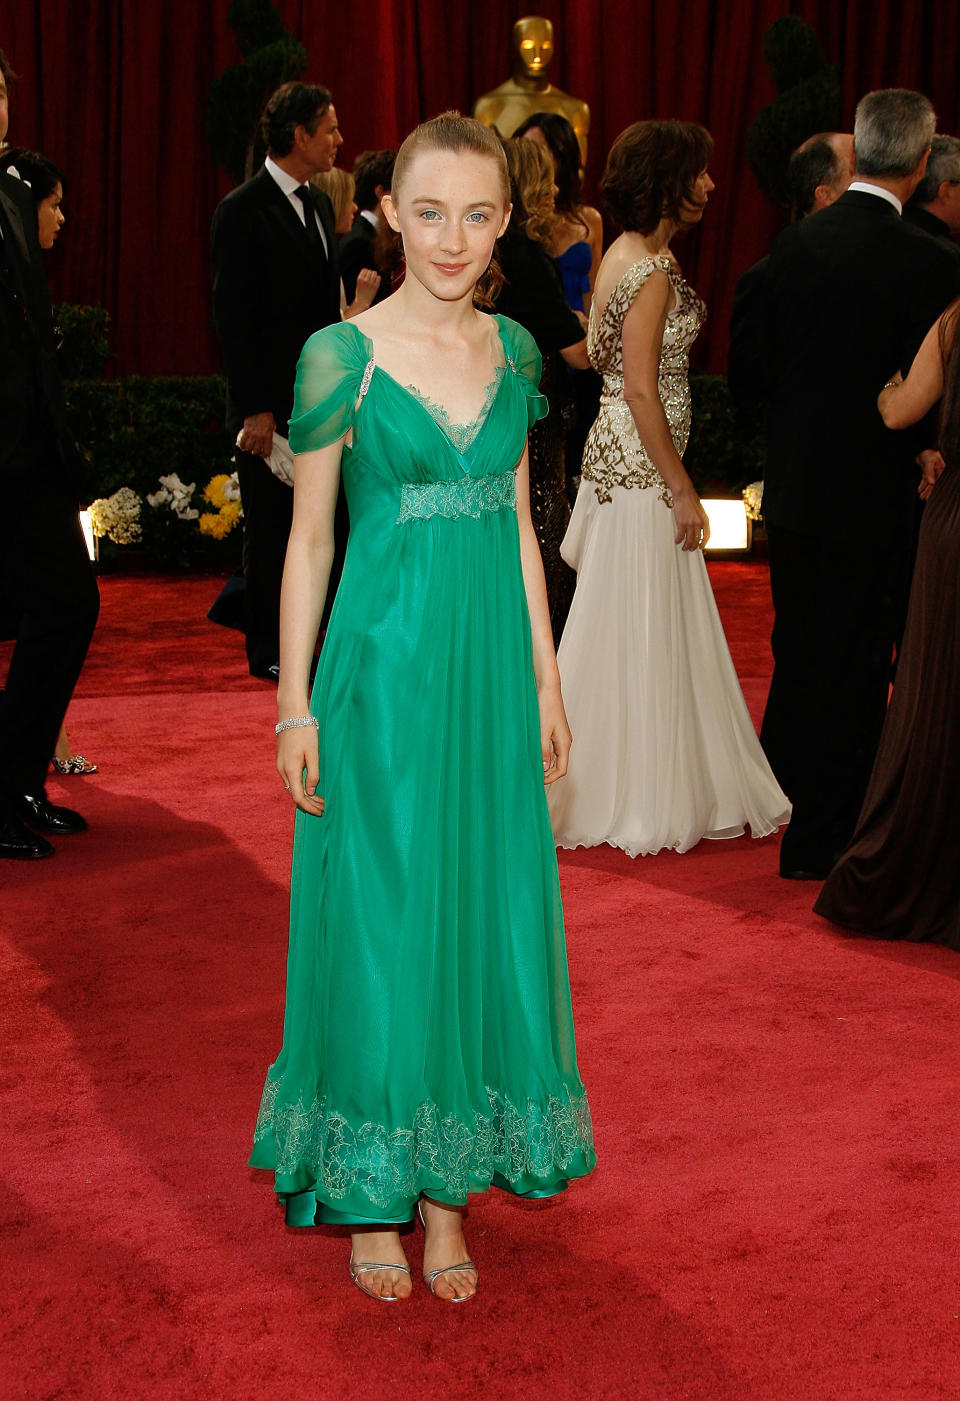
x=428 y=1038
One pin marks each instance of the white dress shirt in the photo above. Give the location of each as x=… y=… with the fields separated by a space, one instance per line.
x=288 y=185
x=877 y=190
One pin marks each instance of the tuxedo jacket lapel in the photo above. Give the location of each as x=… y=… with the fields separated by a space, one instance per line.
x=282 y=214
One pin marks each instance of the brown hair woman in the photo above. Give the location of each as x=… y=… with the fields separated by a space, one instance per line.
x=666 y=753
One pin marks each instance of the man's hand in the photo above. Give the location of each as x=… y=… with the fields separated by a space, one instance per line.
x=931 y=466
x=256 y=435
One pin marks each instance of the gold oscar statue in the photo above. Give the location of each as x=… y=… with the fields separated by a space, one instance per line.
x=528 y=91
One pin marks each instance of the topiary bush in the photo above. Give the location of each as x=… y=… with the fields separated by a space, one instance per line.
x=84 y=347
x=270 y=55
x=133 y=431
x=808 y=101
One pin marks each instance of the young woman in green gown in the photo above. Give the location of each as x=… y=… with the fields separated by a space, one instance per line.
x=428 y=1047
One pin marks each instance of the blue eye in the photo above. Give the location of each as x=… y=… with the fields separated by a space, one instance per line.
x=478 y=217
x=430 y=214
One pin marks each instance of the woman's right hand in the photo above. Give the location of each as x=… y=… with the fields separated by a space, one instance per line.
x=692 y=521
x=298 y=751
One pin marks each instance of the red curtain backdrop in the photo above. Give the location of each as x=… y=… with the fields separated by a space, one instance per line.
x=115 y=91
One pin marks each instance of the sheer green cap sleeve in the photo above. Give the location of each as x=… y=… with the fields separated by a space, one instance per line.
x=529 y=367
x=329 y=372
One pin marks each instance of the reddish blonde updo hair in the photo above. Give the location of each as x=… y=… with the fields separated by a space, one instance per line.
x=451 y=131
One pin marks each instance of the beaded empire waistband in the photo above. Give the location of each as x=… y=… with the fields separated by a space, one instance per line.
x=470 y=496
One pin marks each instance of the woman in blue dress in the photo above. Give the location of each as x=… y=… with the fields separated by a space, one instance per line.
x=428 y=1048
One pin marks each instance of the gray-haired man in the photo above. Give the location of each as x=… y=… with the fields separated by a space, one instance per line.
x=850 y=295
x=935 y=206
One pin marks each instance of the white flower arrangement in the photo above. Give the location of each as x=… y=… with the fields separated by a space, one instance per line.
x=117 y=516
x=177 y=495
x=753 y=500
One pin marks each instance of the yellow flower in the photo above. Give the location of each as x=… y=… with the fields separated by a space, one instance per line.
x=213 y=523
x=213 y=491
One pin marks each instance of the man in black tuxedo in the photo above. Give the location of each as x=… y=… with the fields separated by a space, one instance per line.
x=46 y=580
x=819 y=171
x=849 y=295
x=372 y=174
x=276 y=280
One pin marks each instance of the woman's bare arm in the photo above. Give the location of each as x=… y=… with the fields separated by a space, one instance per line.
x=306 y=575
x=643 y=328
x=594 y=223
x=903 y=402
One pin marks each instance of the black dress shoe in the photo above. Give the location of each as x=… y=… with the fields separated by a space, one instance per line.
x=44 y=816
x=805 y=873
x=18 y=843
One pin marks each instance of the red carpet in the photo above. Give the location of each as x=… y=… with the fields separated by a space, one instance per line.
x=774 y=1214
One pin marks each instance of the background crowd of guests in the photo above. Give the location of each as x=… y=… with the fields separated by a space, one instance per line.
x=843 y=300
x=49 y=601
x=836 y=311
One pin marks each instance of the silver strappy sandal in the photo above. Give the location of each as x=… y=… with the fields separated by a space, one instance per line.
x=430 y=1277
x=365 y=1268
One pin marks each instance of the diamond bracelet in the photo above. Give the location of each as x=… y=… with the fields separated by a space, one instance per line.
x=296 y=723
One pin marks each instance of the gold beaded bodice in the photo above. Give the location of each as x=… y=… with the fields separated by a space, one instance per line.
x=614 y=454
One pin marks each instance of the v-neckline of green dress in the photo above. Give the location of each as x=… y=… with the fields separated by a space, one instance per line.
x=436 y=413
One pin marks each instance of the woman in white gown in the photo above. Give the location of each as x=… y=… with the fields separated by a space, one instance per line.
x=664 y=750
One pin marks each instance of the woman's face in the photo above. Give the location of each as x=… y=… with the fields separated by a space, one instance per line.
x=693 y=207
x=50 y=217
x=449 y=211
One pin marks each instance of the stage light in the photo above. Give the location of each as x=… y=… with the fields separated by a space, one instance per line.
x=86 y=526
x=731 y=530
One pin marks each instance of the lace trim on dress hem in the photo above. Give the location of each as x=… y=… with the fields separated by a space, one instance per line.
x=470 y=496
x=519 y=1142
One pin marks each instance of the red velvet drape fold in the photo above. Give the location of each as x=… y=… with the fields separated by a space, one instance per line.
x=115 y=91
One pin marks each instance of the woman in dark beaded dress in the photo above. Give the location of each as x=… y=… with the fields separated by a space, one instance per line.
x=532 y=294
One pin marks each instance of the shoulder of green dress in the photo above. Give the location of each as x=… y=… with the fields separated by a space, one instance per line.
x=339 y=345
x=520 y=349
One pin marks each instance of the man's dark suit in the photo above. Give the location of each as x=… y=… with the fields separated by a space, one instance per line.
x=936 y=228
x=849 y=294
x=356 y=253
x=749 y=359
x=271 y=291
x=46 y=580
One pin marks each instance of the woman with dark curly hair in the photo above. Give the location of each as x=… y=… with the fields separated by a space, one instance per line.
x=665 y=750
x=532 y=295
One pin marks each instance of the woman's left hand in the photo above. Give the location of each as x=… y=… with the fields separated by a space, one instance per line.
x=691 y=520
x=555 y=737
